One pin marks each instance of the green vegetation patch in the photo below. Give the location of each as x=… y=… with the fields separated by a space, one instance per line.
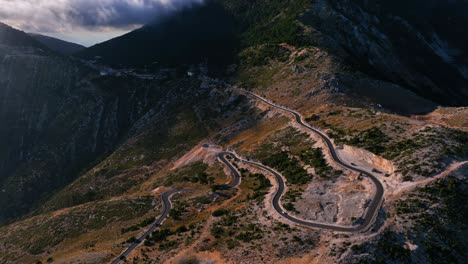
x=315 y=158
x=262 y=55
x=372 y=139
x=289 y=167
x=271 y=153
x=261 y=188
x=178 y=209
x=263 y=21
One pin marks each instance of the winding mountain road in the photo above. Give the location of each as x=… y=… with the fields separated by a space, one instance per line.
x=167 y=206
x=372 y=210
x=368 y=218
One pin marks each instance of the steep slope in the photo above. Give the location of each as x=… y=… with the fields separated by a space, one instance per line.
x=409 y=45
x=58 y=117
x=13 y=37
x=116 y=199
x=418 y=45
x=58 y=45
x=389 y=41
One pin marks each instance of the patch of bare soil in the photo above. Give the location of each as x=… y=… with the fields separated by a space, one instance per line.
x=455 y=117
x=337 y=201
x=204 y=151
x=205 y=257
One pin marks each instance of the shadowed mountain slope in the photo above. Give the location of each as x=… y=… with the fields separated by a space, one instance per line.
x=58 y=45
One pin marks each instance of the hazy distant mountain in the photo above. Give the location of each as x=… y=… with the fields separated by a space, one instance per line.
x=193 y=35
x=13 y=37
x=58 y=45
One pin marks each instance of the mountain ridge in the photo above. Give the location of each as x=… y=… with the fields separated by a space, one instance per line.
x=14 y=37
x=58 y=45
x=366 y=36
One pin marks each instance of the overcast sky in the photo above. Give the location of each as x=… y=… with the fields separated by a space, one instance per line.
x=86 y=22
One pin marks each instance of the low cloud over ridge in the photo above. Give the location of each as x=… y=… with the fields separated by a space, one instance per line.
x=63 y=16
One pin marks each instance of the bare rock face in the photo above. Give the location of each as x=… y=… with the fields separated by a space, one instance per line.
x=398 y=41
x=370 y=158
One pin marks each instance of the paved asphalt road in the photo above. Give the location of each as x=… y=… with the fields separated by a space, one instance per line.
x=368 y=218
x=373 y=208
x=167 y=206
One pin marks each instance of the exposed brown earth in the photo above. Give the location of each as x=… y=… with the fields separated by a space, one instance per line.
x=448 y=116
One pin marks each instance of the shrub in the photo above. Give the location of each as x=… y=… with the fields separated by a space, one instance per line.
x=231 y=243
x=219 y=212
x=228 y=220
x=313 y=118
x=371 y=139
x=290 y=167
x=315 y=158
x=160 y=235
x=131 y=239
x=217 y=231
x=390 y=246
x=290 y=207
x=181 y=229
x=407 y=178
x=168 y=245
x=249 y=236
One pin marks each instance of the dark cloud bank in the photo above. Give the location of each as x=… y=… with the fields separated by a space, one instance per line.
x=69 y=15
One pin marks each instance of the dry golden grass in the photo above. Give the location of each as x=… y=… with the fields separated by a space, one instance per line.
x=448 y=116
x=256 y=134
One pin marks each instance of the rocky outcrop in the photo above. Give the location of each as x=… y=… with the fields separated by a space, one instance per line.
x=370 y=158
x=398 y=41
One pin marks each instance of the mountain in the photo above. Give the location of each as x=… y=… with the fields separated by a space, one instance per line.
x=202 y=34
x=418 y=45
x=315 y=136
x=58 y=118
x=389 y=41
x=58 y=45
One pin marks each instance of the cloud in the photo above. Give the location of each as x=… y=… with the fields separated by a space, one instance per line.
x=62 y=16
